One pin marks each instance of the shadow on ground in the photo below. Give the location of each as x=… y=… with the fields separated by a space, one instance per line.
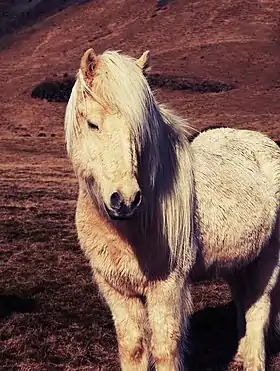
x=10 y=304
x=213 y=334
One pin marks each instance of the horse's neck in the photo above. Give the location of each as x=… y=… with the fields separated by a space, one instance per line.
x=147 y=245
x=150 y=255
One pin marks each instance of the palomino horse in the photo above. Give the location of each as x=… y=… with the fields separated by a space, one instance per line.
x=153 y=208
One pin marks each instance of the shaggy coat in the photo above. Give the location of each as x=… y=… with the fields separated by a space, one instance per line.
x=212 y=205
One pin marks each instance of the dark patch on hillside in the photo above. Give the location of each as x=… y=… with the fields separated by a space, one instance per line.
x=60 y=90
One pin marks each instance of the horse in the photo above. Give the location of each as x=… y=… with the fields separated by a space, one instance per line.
x=155 y=209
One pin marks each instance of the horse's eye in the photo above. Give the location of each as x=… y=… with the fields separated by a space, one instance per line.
x=92 y=125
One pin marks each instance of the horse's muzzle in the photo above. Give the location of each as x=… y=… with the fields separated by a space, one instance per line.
x=118 y=210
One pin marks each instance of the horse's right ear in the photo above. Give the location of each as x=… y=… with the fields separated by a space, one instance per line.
x=88 y=63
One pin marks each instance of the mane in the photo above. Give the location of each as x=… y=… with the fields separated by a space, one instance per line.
x=163 y=150
x=174 y=187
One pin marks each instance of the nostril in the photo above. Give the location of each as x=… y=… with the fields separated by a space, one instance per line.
x=137 y=199
x=115 y=200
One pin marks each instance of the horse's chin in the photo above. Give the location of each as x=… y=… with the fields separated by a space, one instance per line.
x=114 y=216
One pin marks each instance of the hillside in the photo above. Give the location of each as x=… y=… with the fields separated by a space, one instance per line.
x=215 y=63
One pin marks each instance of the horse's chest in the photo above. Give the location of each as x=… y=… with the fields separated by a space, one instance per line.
x=119 y=268
x=111 y=257
x=129 y=264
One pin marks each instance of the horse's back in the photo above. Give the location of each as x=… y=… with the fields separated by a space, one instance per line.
x=237 y=177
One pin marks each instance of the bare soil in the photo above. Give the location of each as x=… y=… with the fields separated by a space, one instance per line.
x=215 y=62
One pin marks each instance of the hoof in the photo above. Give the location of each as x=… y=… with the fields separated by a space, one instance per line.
x=249 y=360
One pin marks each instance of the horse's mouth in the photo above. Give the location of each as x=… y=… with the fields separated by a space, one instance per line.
x=116 y=216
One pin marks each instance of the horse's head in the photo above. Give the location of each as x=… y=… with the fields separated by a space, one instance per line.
x=103 y=123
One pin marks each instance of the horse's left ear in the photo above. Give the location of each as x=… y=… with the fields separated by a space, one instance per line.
x=88 y=63
x=144 y=61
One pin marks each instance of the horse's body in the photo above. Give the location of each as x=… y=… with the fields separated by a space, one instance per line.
x=213 y=205
x=237 y=178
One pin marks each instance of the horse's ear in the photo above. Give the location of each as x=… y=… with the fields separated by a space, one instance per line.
x=144 y=61
x=88 y=63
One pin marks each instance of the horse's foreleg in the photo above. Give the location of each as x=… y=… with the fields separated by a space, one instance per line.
x=169 y=304
x=130 y=319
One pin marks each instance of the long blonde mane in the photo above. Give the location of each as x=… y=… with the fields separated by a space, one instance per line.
x=162 y=147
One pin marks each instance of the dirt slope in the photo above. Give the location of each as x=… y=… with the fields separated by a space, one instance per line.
x=51 y=315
